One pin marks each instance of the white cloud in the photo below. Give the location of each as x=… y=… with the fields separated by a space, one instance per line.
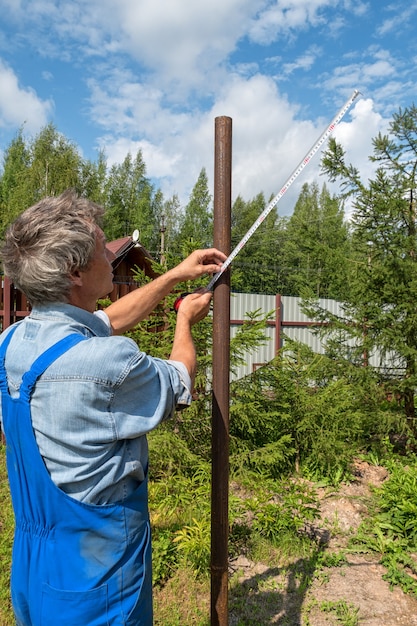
x=401 y=19
x=357 y=7
x=304 y=62
x=356 y=139
x=267 y=142
x=178 y=34
x=123 y=104
x=158 y=163
x=264 y=139
x=356 y=136
x=20 y=105
x=366 y=70
x=12 y=5
x=283 y=16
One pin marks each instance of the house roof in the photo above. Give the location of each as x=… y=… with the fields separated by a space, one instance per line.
x=133 y=253
x=118 y=246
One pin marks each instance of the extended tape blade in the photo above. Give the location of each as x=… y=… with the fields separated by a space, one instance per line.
x=303 y=163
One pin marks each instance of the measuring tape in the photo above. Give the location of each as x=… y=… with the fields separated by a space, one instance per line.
x=279 y=195
x=285 y=188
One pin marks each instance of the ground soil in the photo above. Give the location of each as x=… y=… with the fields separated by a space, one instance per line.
x=287 y=596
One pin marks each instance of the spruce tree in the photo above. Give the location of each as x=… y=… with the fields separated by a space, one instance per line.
x=381 y=311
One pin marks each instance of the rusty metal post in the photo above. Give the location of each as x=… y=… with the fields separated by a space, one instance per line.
x=221 y=368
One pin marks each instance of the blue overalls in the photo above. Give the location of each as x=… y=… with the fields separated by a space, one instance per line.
x=73 y=564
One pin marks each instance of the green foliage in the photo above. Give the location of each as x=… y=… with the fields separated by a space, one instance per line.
x=392 y=530
x=316 y=246
x=398 y=516
x=193 y=544
x=248 y=336
x=197 y=223
x=93 y=178
x=130 y=202
x=303 y=254
x=281 y=516
x=169 y=219
x=331 y=559
x=345 y=613
x=180 y=514
x=181 y=511
x=308 y=411
x=15 y=193
x=401 y=571
x=54 y=163
x=170 y=454
x=46 y=165
x=256 y=269
x=164 y=555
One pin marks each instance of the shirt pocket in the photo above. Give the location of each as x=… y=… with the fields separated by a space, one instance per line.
x=74 y=608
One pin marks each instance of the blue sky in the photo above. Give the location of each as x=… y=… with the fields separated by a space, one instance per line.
x=124 y=75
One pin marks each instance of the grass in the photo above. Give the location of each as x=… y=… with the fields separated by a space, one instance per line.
x=6 y=539
x=345 y=613
x=183 y=601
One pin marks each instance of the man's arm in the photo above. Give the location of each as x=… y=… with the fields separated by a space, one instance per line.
x=135 y=306
x=192 y=309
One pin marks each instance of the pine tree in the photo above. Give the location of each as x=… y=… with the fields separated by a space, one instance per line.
x=46 y=165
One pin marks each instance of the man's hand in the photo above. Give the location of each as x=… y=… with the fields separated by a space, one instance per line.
x=198 y=263
x=195 y=306
x=126 y=312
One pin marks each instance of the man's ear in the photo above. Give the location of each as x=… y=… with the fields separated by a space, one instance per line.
x=76 y=278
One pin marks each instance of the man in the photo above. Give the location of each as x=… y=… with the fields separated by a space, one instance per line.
x=76 y=403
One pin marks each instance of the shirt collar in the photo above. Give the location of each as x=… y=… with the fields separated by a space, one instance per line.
x=68 y=313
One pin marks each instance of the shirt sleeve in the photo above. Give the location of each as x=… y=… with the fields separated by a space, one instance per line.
x=147 y=392
x=185 y=399
x=104 y=318
x=183 y=372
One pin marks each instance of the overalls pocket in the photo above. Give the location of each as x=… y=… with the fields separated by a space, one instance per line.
x=74 y=608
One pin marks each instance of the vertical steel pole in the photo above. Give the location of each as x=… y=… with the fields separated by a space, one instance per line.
x=221 y=368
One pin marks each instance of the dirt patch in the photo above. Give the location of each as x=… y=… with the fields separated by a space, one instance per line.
x=360 y=585
x=287 y=597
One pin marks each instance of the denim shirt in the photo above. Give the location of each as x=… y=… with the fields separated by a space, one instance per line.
x=92 y=407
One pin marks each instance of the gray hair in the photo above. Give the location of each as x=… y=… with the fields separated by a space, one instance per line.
x=48 y=242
